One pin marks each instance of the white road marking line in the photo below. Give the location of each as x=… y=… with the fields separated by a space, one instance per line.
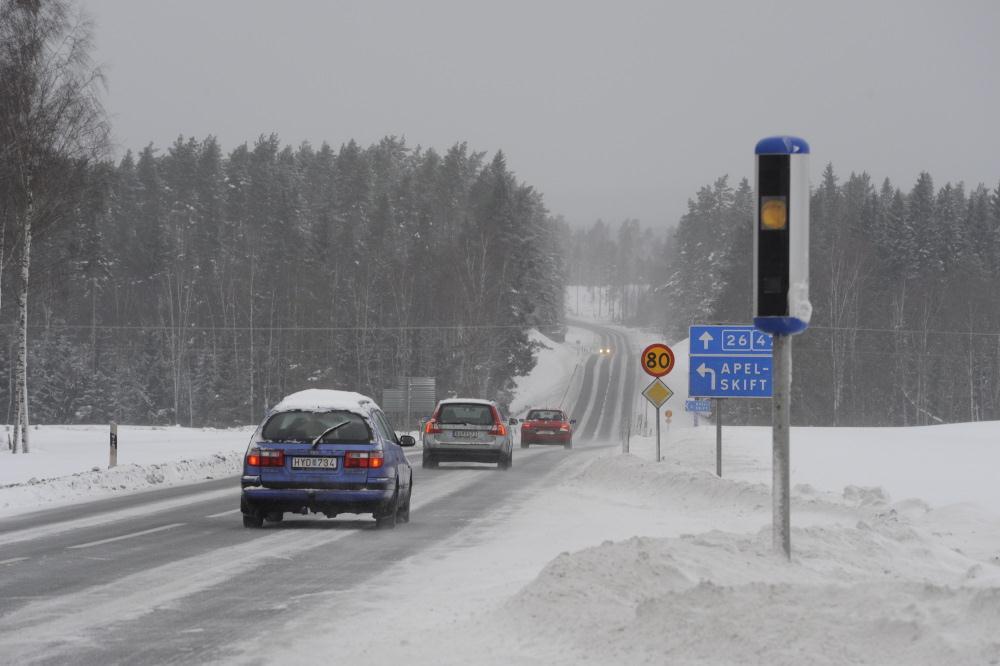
x=114 y=516
x=124 y=536
x=224 y=513
x=12 y=560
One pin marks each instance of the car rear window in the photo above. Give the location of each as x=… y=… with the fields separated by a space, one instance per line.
x=545 y=415
x=299 y=426
x=466 y=414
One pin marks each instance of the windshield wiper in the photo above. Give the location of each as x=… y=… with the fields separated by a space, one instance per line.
x=327 y=432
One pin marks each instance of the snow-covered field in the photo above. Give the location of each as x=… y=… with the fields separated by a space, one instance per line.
x=70 y=463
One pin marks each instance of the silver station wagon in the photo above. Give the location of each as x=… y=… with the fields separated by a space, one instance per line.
x=468 y=430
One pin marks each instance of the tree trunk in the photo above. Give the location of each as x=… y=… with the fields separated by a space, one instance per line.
x=20 y=384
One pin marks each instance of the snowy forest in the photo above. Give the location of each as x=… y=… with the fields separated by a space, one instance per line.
x=906 y=323
x=198 y=288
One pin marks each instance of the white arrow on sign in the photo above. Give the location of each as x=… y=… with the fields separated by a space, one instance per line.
x=703 y=369
x=705 y=338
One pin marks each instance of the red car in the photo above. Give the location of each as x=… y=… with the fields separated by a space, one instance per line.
x=547 y=426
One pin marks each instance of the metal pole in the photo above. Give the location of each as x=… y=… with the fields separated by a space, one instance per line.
x=113 y=456
x=657 y=434
x=781 y=420
x=718 y=437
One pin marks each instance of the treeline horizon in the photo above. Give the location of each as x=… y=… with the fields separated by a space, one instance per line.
x=198 y=288
x=906 y=324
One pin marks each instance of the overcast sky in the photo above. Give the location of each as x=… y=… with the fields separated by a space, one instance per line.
x=611 y=109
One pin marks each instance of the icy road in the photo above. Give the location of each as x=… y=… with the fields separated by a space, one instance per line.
x=172 y=575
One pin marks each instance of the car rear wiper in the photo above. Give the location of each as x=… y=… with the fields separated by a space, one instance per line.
x=326 y=432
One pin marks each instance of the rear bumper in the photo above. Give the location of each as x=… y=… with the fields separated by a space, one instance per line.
x=557 y=438
x=319 y=500
x=454 y=454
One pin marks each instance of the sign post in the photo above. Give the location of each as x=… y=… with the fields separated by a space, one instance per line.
x=718 y=437
x=113 y=459
x=728 y=361
x=781 y=293
x=657 y=360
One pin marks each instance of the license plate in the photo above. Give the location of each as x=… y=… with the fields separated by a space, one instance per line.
x=314 y=462
x=545 y=432
x=464 y=434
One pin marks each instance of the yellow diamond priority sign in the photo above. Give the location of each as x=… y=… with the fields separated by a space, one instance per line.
x=657 y=393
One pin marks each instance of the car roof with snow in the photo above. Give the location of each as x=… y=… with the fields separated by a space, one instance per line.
x=321 y=400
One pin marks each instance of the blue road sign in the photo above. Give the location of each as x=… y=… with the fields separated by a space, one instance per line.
x=729 y=361
x=698 y=406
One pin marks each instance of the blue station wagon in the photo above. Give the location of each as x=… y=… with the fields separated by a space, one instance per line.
x=328 y=452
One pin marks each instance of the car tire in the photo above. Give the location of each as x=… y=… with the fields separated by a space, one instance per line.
x=387 y=520
x=506 y=462
x=251 y=517
x=403 y=514
x=253 y=520
x=524 y=444
x=569 y=444
x=428 y=462
x=274 y=516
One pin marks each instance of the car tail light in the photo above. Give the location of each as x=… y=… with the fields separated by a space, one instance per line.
x=498 y=427
x=527 y=425
x=363 y=459
x=266 y=458
x=564 y=427
x=432 y=427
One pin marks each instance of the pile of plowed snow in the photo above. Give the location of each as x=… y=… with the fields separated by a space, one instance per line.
x=876 y=591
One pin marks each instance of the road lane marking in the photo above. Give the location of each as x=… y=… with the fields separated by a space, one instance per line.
x=42 y=531
x=124 y=536
x=223 y=513
x=28 y=628
x=12 y=560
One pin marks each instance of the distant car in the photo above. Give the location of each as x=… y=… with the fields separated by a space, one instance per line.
x=605 y=351
x=547 y=426
x=328 y=452
x=468 y=430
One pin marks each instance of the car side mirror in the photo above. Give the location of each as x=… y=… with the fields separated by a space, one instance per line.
x=572 y=421
x=407 y=440
x=512 y=421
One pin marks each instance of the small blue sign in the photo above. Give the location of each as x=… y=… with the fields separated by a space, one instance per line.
x=729 y=361
x=698 y=406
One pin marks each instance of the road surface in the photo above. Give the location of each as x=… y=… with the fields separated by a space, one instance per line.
x=172 y=576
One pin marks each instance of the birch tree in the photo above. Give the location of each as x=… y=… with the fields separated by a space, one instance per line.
x=51 y=123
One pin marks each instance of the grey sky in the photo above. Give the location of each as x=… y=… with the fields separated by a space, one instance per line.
x=612 y=109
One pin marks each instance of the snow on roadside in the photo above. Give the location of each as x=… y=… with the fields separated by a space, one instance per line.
x=623 y=560
x=69 y=463
x=555 y=379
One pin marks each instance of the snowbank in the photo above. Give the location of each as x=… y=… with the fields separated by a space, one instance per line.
x=68 y=463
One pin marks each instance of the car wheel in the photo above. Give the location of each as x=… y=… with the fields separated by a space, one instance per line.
x=569 y=444
x=429 y=462
x=506 y=462
x=524 y=444
x=387 y=520
x=403 y=515
x=274 y=516
x=253 y=520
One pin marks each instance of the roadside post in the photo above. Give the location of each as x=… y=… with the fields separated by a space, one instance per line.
x=113 y=460
x=728 y=361
x=657 y=360
x=718 y=437
x=781 y=293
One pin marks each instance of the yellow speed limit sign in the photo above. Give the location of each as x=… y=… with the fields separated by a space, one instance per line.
x=657 y=359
